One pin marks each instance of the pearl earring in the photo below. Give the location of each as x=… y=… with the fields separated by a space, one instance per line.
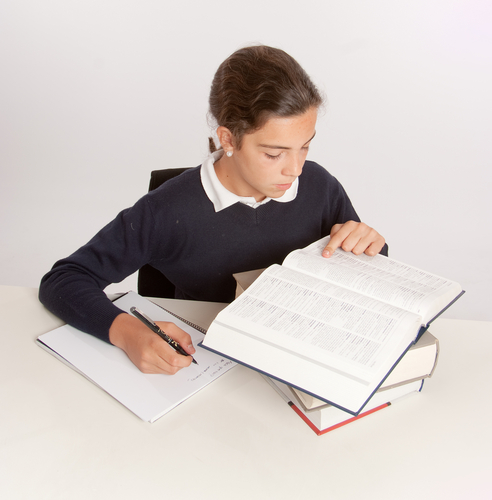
x=229 y=153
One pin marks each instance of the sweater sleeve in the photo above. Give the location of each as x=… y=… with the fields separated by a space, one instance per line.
x=73 y=289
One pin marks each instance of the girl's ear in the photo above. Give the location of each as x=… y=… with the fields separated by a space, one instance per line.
x=226 y=138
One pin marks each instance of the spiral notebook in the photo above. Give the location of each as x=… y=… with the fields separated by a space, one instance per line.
x=149 y=396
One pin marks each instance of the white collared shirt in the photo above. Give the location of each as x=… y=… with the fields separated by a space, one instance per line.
x=223 y=198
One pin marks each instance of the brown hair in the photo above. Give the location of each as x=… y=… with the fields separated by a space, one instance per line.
x=255 y=84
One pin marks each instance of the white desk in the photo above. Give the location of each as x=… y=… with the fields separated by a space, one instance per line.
x=61 y=437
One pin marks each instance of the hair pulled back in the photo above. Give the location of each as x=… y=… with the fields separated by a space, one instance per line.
x=255 y=84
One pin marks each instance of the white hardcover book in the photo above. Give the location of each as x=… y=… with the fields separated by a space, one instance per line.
x=333 y=328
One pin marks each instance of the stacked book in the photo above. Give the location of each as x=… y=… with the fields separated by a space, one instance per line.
x=407 y=378
x=337 y=338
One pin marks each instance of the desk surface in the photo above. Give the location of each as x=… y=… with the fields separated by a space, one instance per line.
x=63 y=437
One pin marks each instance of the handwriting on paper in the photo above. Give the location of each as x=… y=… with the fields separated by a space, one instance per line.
x=214 y=369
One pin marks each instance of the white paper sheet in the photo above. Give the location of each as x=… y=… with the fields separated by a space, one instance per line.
x=148 y=396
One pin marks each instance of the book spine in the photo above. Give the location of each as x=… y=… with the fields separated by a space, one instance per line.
x=320 y=432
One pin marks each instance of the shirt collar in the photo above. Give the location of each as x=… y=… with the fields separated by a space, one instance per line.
x=223 y=198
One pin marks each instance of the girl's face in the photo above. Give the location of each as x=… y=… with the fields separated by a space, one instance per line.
x=270 y=159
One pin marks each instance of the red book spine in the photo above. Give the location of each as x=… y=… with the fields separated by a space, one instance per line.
x=336 y=426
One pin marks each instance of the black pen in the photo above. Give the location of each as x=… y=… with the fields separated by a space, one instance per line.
x=148 y=322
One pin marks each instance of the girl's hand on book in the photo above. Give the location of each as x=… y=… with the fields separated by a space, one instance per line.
x=147 y=351
x=355 y=237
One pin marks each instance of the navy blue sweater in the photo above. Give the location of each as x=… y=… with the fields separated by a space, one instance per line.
x=176 y=230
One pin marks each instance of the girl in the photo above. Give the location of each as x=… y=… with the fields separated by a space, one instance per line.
x=246 y=207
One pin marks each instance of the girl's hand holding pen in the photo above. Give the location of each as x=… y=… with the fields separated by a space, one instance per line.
x=146 y=349
x=159 y=331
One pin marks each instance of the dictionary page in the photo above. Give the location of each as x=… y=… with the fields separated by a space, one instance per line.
x=378 y=277
x=327 y=341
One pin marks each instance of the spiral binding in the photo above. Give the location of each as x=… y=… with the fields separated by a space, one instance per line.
x=184 y=320
x=189 y=323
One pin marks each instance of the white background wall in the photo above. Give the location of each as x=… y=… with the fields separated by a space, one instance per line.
x=94 y=94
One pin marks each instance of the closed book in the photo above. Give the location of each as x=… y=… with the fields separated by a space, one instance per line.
x=328 y=418
x=419 y=363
